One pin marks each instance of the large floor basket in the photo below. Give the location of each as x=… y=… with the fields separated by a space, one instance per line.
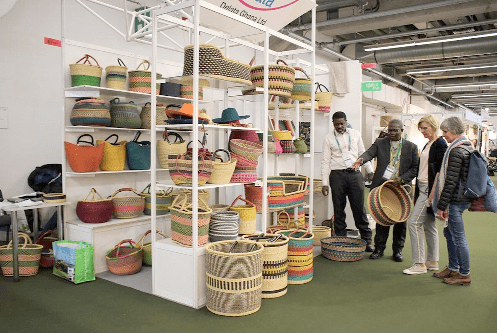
x=300 y=256
x=343 y=248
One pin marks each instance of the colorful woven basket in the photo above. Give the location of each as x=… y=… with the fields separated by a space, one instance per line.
x=320 y=232
x=163 y=201
x=287 y=191
x=85 y=73
x=343 y=248
x=180 y=169
x=247 y=149
x=281 y=78
x=146 y=115
x=127 y=207
x=234 y=277
x=116 y=76
x=147 y=247
x=302 y=87
x=29 y=256
x=186 y=91
x=96 y=209
x=275 y=263
x=248 y=216
x=223 y=226
x=288 y=216
x=253 y=194
x=288 y=146
x=181 y=221
x=222 y=170
x=300 y=256
x=389 y=203
x=125 y=114
x=141 y=80
x=124 y=260
x=90 y=111
x=323 y=98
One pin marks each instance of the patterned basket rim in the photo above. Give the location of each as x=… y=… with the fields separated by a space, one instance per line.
x=209 y=249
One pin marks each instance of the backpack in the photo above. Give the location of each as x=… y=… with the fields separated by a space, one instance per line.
x=46 y=179
x=476 y=183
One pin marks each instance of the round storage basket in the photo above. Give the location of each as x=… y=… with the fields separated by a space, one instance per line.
x=234 y=277
x=275 y=266
x=29 y=255
x=163 y=200
x=90 y=111
x=220 y=208
x=389 y=203
x=253 y=194
x=300 y=256
x=147 y=247
x=248 y=216
x=124 y=260
x=343 y=248
x=281 y=78
x=127 y=207
x=320 y=231
x=223 y=226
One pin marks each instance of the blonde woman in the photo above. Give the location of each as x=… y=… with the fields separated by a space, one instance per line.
x=422 y=222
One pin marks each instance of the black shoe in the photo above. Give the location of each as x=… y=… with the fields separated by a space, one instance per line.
x=377 y=254
x=369 y=247
x=397 y=256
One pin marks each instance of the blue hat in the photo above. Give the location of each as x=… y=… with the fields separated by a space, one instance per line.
x=229 y=115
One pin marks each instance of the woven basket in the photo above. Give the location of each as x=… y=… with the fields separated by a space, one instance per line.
x=247 y=135
x=127 y=207
x=302 y=87
x=125 y=114
x=180 y=169
x=147 y=247
x=186 y=91
x=165 y=148
x=85 y=73
x=389 y=203
x=53 y=198
x=116 y=76
x=181 y=221
x=253 y=194
x=202 y=194
x=323 y=98
x=29 y=256
x=96 y=209
x=288 y=216
x=300 y=255
x=220 y=208
x=90 y=112
x=343 y=248
x=46 y=239
x=141 y=80
x=300 y=146
x=282 y=135
x=248 y=216
x=84 y=158
x=320 y=232
x=281 y=78
x=275 y=263
x=223 y=226
x=272 y=229
x=163 y=201
x=124 y=260
x=146 y=115
x=288 y=146
x=114 y=157
x=243 y=162
x=234 y=277
x=287 y=191
x=247 y=149
x=222 y=170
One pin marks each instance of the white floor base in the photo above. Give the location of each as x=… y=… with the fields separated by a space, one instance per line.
x=141 y=281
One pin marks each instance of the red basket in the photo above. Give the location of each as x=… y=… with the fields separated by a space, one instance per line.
x=96 y=209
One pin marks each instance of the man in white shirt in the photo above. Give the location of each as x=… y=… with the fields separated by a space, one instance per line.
x=340 y=149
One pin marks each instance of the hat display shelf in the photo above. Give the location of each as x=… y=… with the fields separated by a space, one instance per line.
x=178 y=272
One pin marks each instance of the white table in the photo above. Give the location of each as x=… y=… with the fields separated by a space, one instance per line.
x=13 y=209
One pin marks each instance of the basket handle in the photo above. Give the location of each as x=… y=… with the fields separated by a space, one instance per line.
x=287 y=215
x=279 y=60
x=137 y=136
x=252 y=61
x=87 y=60
x=27 y=241
x=115 y=141
x=144 y=62
x=93 y=191
x=300 y=230
x=147 y=188
x=224 y=151
x=124 y=190
x=120 y=62
x=83 y=135
x=319 y=85
x=46 y=233
x=240 y=198
x=118 y=246
x=408 y=188
x=176 y=137
x=302 y=70
x=188 y=145
x=115 y=100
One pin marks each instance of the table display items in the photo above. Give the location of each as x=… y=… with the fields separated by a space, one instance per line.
x=29 y=255
x=140 y=80
x=300 y=255
x=114 y=156
x=147 y=247
x=124 y=260
x=163 y=198
x=116 y=76
x=343 y=248
x=90 y=111
x=84 y=158
x=275 y=263
x=234 y=277
x=127 y=206
x=390 y=203
x=223 y=226
x=74 y=261
x=85 y=73
x=248 y=216
x=94 y=209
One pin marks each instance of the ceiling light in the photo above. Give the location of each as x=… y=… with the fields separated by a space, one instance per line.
x=449 y=69
x=456 y=86
x=426 y=42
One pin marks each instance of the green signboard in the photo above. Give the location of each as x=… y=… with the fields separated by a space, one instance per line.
x=371 y=86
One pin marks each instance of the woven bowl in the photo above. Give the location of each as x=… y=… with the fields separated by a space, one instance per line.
x=343 y=248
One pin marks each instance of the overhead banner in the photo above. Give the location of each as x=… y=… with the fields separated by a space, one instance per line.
x=274 y=14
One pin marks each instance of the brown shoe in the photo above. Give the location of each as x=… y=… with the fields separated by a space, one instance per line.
x=458 y=279
x=446 y=273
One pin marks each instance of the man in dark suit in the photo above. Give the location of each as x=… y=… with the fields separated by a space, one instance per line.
x=397 y=160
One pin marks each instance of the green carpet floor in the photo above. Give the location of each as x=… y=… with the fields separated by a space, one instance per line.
x=365 y=296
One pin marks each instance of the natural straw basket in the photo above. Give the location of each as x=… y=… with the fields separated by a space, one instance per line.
x=223 y=226
x=343 y=248
x=323 y=98
x=146 y=115
x=220 y=208
x=127 y=207
x=247 y=149
x=302 y=87
x=85 y=73
x=147 y=247
x=248 y=216
x=29 y=256
x=234 y=277
x=390 y=203
x=124 y=260
x=116 y=75
x=320 y=231
x=275 y=266
x=300 y=255
x=53 y=198
x=163 y=199
x=222 y=170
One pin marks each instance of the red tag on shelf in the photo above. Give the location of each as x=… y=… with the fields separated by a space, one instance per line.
x=368 y=65
x=53 y=42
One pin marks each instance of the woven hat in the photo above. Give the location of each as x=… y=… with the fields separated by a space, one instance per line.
x=229 y=115
x=186 y=110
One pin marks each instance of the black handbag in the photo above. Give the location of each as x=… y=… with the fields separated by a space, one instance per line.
x=170 y=89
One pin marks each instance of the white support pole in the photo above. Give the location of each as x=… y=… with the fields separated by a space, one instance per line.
x=265 y=128
x=313 y=118
x=153 y=138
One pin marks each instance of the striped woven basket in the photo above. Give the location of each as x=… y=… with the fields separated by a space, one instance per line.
x=163 y=200
x=281 y=78
x=146 y=115
x=300 y=256
x=288 y=146
x=141 y=80
x=343 y=248
x=127 y=207
x=124 y=260
x=223 y=226
x=234 y=277
x=147 y=247
x=125 y=114
x=116 y=76
x=389 y=203
x=29 y=256
x=180 y=169
x=181 y=221
x=247 y=149
x=275 y=263
x=323 y=98
x=186 y=91
x=90 y=112
x=302 y=87
x=85 y=73
x=248 y=216
x=287 y=191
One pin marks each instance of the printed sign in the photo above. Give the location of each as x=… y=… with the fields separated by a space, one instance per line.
x=53 y=42
x=371 y=86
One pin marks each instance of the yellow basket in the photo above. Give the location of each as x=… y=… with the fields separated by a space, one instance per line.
x=248 y=216
x=282 y=135
x=114 y=154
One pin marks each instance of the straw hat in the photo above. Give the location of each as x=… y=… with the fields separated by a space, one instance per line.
x=229 y=115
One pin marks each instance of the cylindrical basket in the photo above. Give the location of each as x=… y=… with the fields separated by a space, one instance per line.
x=85 y=73
x=320 y=231
x=253 y=193
x=146 y=115
x=29 y=256
x=223 y=226
x=281 y=78
x=116 y=76
x=275 y=263
x=390 y=203
x=95 y=209
x=163 y=200
x=343 y=248
x=141 y=80
x=248 y=216
x=300 y=256
x=127 y=207
x=147 y=247
x=234 y=277
x=124 y=260
x=166 y=148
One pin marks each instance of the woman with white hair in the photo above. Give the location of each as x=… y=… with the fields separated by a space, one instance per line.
x=422 y=222
x=449 y=201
